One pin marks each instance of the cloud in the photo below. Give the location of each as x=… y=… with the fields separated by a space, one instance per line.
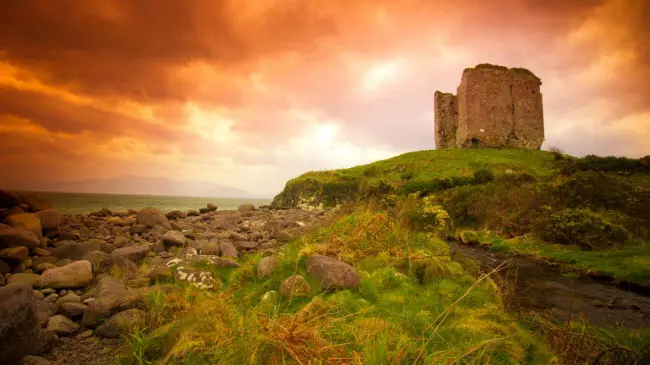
x=252 y=92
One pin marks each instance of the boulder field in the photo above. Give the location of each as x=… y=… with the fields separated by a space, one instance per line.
x=70 y=284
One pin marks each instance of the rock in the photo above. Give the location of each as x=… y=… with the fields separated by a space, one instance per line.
x=35 y=203
x=193 y=213
x=174 y=238
x=4 y=227
x=295 y=286
x=38 y=294
x=75 y=250
x=246 y=208
x=41 y=252
x=121 y=241
x=72 y=309
x=334 y=274
x=137 y=228
x=151 y=217
x=25 y=221
x=122 y=323
x=119 y=221
x=284 y=236
x=85 y=334
x=39 y=268
x=19 y=325
x=15 y=254
x=51 y=298
x=266 y=266
x=204 y=210
x=35 y=360
x=161 y=274
x=33 y=280
x=212 y=207
x=175 y=214
x=228 y=249
x=61 y=325
x=17 y=237
x=74 y=275
x=49 y=219
x=68 y=298
x=111 y=298
x=238 y=236
x=8 y=199
x=133 y=253
x=138 y=283
x=211 y=248
x=105 y=263
x=247 y=245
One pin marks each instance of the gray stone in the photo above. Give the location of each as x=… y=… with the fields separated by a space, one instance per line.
x=122 y=323
x=266 y=266
x=72 y=309
x=18 y=237
x=228 y=249
x=19 y=325
x=295 y=286
x=133 y=253
x=151 y=217
x=76 y=250
x=333 y=273
x=49 y=219
x=112 y=297
x=62 y=325
x=74 y=275
x=174 y=238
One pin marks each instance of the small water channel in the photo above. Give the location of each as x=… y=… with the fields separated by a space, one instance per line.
x=562 y=294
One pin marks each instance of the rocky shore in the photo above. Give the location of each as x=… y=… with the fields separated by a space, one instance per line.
x=71 y=283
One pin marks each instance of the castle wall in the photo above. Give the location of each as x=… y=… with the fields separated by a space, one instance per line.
x=496 y=107
x=446 y=119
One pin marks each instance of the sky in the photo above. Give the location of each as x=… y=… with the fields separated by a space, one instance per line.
x=251 y=93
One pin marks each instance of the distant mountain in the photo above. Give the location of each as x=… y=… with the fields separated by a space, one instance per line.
x=140 y=185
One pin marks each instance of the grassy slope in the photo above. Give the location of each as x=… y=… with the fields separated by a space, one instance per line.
x=627 y=263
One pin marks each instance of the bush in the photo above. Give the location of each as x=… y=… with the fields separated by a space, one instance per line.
x=429 y=216
x=338 y=192
x=483 y=176
x=435 y=185
x=607 y=164
x=582 y=227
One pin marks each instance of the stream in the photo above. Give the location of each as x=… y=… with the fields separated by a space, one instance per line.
x=549 y=289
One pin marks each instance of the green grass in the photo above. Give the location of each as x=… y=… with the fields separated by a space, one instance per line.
x=414 y=305
x=630 y=262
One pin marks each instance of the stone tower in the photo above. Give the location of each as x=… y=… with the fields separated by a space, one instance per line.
x=494 y=107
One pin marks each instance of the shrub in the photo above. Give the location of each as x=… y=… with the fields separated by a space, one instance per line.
x=582 y=227
x=607 y=164
x=483 y=176
x=430 y=217
x=468 y=237
x=370 y=171
x=426 y=187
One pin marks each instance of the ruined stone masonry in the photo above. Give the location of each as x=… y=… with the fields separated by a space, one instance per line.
x=494 y=107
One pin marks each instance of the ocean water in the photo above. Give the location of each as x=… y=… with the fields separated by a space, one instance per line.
x=73 y=203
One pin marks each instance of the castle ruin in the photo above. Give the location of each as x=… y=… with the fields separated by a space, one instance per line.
x=494 y=107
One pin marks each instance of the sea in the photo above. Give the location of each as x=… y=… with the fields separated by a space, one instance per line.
x=83 y=203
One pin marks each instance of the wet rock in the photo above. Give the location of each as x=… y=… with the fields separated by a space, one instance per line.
x=72 y=309
x=266 y=266
x=15 y=254
x=334 y=274
x=174 y=238
x=133 y=253
x=19 y=326
x=33 y=280
x=49 y=219
x=17 y=237
x=73 y=275
x=151 y=217
x=122 y=323
x=295 y=286
x=26 y=221
x=228 y=249
x=62 y=325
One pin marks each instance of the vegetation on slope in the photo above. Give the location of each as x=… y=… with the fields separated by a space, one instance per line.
x=570 y=206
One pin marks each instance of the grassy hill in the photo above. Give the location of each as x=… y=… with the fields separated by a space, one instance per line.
x=543 y=204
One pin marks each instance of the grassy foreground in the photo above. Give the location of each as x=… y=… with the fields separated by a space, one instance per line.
x=414 y=305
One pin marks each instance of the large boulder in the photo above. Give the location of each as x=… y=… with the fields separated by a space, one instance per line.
x=26 y=221
x=72 y=309
x=133 y=253
x=49 y=219
x=15 y=254
x=27 y=278
x=333 y=273
x=8 y=199
x=246 y=207
x=122 y=323
x=19 y=325
x=106 y=263
x=151 y=217
x=35 y=203
x=14 y=237
x=73 y=275
x=228 y=249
